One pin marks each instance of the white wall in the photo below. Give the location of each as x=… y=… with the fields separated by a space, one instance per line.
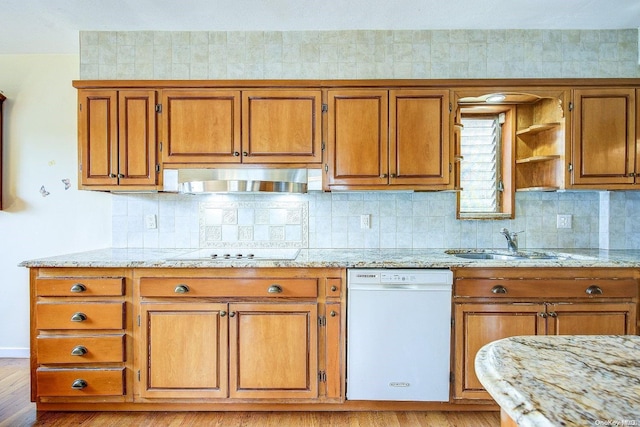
x=40 y=149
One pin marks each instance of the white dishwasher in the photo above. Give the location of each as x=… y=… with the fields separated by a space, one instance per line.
x=398 y=334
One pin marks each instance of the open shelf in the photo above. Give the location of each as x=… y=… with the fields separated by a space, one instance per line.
x=534 y=159
x=534 y=129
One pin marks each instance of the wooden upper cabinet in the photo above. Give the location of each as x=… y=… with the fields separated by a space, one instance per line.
x=380 y=137
x=419 y=149
x=200 y=126
x=281 y=126
x=604 y=138
x=358 y=137
x=117 y=138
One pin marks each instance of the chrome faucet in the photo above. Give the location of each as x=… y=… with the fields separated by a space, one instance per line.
x=512 y=239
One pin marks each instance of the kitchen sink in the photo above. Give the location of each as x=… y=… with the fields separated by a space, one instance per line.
x=501 y=255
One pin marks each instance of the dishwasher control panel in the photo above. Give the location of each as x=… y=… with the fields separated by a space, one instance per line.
x=395 y=276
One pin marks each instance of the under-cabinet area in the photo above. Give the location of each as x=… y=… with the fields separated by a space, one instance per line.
x=253 y=335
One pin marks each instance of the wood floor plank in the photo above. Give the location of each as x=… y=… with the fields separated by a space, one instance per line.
x=17 y=411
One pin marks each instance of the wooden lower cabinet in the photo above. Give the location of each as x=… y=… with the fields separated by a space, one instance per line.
x=499 y=303
x=211 y=337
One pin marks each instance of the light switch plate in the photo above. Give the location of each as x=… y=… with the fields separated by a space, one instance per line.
x=365 y=221
x=563 y=221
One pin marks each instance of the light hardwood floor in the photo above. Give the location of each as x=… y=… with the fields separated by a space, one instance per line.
x=17 y=411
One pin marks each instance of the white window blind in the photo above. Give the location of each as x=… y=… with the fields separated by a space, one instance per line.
x=479 y=176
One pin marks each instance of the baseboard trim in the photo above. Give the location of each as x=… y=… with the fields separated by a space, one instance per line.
x=14 y=353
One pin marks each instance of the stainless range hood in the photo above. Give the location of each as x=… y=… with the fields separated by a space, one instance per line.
x=241 y=180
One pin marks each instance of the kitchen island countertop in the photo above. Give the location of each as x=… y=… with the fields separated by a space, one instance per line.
x=566 y=380
x=332 y=258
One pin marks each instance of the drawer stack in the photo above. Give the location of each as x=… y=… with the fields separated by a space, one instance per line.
x=80 y=343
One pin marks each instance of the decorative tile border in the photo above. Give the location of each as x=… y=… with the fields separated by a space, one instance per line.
x=254 y=224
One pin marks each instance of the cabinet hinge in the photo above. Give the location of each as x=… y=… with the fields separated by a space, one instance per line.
x=453 y=322
x=80 y=106
x=158 y=108
x=450 y=167
x=322 y=146
x=138 y=375
x=451 y=377
x=450 y=107
x=80 y=166
x=326 y=168
x=160 y=146
x=570 y=167
x=322 y=321
x=571 y=106
x=138 y=320
x=158 y=168
x=322 y=376
x=325 y=108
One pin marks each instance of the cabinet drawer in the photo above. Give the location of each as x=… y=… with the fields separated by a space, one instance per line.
x=80 y=286
x=80 y=382
x=547 y=288
x=104 y=315
x=224 y=287
x=80 y=349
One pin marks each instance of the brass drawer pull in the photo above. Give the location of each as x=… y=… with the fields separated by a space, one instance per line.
x=79 y=350
x=78 y=287
x=275 y=289
x=181 y=289
x=594 y=290
x=78 y=317
x=499 y=290
x=79 y=384
x=333 y=313
x=334 y=288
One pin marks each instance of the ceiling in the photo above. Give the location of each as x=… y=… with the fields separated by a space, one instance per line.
x=52 y=26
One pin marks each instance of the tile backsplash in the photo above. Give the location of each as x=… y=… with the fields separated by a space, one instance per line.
x=398 y=220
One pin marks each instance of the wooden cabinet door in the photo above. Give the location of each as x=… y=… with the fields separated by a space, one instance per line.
x=273 y=350
x=480 y=324
x=201 y=126
x=358 y=149
x=98 y=137
x=137 y=137
x=591 y=319
x=281 y=126
x=604 y=137
x=419 y=149
x=183 y=350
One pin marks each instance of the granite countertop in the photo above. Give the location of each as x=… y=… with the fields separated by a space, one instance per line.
x=330 y=258
x=567 y=380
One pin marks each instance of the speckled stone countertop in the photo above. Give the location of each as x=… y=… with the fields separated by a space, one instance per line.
x=564 y=380
x=330 y=258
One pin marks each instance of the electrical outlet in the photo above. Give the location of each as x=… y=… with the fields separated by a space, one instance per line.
x=563 y=221
x=150 y=222
x=365 y=221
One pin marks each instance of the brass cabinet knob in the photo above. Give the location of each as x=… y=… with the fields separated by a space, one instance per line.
x=78 y=317
x=333 y=313
x=79 y=350
x=393 y=175
x=181 y=289
x=334 y=288
x=232 y=314
x=112 y=175
x=594 y=290
x=499 y=289
x=245 y=154
x=79 y=384
x=553 y=314
x=275 y=289
x=384 y=175
x=120 y=175
x=236 y=154
x=78 y=287
x=543 y=315
x=223 y=313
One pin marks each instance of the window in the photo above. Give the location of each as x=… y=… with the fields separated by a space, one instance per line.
x=480 y=173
